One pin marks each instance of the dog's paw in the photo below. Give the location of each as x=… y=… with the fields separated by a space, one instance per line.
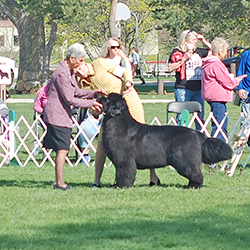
x=190 y=187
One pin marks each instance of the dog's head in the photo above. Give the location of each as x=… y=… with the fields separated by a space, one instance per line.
x=113 y=104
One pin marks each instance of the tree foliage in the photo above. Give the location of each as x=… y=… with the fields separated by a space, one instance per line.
x=87 y=21
x=146 y=23
x=91 y=24
x=227 y=19
x=64 y=22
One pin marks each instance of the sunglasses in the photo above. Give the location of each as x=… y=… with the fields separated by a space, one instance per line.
x=113 y=47
x=193 y=32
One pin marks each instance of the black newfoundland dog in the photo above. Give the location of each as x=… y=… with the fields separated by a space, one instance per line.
x=131 y=145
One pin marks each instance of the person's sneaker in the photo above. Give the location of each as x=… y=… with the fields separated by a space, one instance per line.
x=87 y=159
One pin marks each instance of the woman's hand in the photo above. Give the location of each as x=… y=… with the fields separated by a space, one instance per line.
x=82 y=70
x=201 y=38
x=242 y=94
x=97 y=107
x=239 y=78
x=187 y=56
x=128 y=90
x=100 y=92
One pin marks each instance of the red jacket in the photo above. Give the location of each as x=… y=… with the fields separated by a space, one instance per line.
x=177 y=57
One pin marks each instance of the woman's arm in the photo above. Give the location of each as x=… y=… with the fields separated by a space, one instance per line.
x=69 y=92
x=223 y=77
x=201 y=38
x=241 y=71
x=175 y=65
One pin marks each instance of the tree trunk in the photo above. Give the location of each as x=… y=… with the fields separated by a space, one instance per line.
x=47 y=54
x=88 y=52
x=31 y=37
x=112 y=27
x=32 y=44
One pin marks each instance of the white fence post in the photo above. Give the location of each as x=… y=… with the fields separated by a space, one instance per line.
x=12 y=143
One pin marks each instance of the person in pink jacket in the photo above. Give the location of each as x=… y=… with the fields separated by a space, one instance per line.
x=41 y=99
x=217 y=84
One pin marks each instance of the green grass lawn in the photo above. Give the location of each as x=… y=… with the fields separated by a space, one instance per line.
x=34 y=216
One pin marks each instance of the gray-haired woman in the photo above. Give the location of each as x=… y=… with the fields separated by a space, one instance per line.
x=64 y=93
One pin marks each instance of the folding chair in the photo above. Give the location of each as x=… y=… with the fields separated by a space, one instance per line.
x=239 y=144
x=178 y=107
x=90 y=129
x=80 y=115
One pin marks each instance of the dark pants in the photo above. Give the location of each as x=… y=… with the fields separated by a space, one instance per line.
x=137 y=73
x=219 y=109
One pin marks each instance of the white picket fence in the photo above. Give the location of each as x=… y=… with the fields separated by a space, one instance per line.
x=21 y=142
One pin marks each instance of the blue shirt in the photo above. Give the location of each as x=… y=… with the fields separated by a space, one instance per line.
x=244 y=68
x=135 y=58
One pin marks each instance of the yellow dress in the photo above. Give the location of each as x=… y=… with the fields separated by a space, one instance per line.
x=101 y=76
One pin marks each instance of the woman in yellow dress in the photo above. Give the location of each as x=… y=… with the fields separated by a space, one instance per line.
x=112 y=72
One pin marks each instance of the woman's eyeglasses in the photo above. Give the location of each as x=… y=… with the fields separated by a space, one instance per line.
x=113 y=47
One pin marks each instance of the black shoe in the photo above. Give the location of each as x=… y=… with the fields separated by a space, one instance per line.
x=153 y=184
x=95 y=186
x=142 y=83
x=62 y=188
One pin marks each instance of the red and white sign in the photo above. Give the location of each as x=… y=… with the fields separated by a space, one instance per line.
x=5 y=75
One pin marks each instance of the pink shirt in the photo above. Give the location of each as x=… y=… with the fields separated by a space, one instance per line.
x=41 y=99
x=216 y=85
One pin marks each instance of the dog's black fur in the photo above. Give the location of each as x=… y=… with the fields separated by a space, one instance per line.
x=131 y=145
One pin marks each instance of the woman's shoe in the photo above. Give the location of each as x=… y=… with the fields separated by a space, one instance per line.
x=153 y=184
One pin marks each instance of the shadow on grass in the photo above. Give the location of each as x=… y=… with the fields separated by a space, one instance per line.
x=176 y=185
x=26 y=183
x=45 y=184
x=39 y=184
x=109 y=185
x=194 y=230
x=148 y=88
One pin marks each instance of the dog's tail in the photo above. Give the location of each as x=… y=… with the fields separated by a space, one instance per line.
x=215 y=150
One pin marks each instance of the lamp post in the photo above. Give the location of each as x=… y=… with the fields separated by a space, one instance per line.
x=136 y=32
x=123 y=13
